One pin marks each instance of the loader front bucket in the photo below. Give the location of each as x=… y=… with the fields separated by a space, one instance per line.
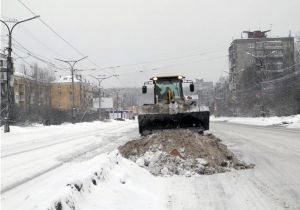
x=193 y=120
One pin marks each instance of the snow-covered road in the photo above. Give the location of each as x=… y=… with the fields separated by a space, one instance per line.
x=27 y=153
x=38 y=163
x=273 y=184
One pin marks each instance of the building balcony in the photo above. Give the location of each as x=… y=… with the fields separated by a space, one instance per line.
x=19 y=98
x=273 y=47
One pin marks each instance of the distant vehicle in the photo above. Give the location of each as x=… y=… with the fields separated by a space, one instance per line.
x=170 y=109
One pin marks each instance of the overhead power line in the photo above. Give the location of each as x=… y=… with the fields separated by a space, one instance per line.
x=18 y=56
x=51 y=29
x=166 y=67
x=42 y=43
x=285 y=77
x=171 y=58
x=18 y=46
x=37 y=57
x=107 y=69
x=62 y=38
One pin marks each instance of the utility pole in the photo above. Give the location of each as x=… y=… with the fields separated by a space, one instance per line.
x=72 y=64
x=100 y=79
x=117 y=94
x=10 y=72
x=118 y=104
x=262 y=61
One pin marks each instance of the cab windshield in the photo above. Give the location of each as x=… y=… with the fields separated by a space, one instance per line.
x=162 y=88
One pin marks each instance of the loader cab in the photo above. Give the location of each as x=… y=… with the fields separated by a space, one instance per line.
x=167 y=89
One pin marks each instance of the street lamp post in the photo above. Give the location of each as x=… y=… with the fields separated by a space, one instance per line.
x=72 y=64
x=117 y=101
x=118 y=104
x=100 y=79
x=10 y=71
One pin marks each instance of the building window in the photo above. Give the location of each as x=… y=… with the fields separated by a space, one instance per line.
x=250 y=45
x=259 y=45
x=278 y=53
x=260 y=53
x=273 y=45
x=279 y=65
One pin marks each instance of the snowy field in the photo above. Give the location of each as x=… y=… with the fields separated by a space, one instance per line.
x=72 y=167
x=285 y=121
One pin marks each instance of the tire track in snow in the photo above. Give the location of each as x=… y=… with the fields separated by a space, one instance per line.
x=26 y=179
x=44 y=146
x=78 y=137
x=265 y=189
x=110 y=140
x=271 y=128
x=275 y=151
x=170 y=202
x=64 y=160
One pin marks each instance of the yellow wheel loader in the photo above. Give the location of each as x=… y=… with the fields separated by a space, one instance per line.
x=170 y=109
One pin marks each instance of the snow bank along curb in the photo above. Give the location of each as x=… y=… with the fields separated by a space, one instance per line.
x=67 y=198
x=108 y=181
x=285 y=121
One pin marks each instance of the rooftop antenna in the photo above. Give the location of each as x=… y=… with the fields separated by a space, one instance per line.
x=290 y=33
x=271 y=29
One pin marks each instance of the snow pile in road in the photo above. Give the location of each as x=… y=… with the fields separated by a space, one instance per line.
x=106 y=182
x=286 y=121
x=161 y=163
x=181 y=152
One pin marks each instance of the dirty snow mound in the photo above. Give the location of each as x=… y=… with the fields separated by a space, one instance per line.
x=181 y=152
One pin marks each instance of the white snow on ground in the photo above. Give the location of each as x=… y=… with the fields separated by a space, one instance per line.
x=89 y=178
x=285 y=121
x=28 y=153
x=107 y=181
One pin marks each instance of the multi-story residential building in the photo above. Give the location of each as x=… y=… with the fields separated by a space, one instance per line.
x=31 y=93
x=274 y=56
x=260 y=69
x=62 y=94
x=37 y=97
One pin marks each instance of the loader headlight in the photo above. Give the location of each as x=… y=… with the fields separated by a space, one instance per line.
x=180 y=77
x=154 y=78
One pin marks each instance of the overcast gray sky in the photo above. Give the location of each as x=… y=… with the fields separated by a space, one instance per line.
x=145 y=37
